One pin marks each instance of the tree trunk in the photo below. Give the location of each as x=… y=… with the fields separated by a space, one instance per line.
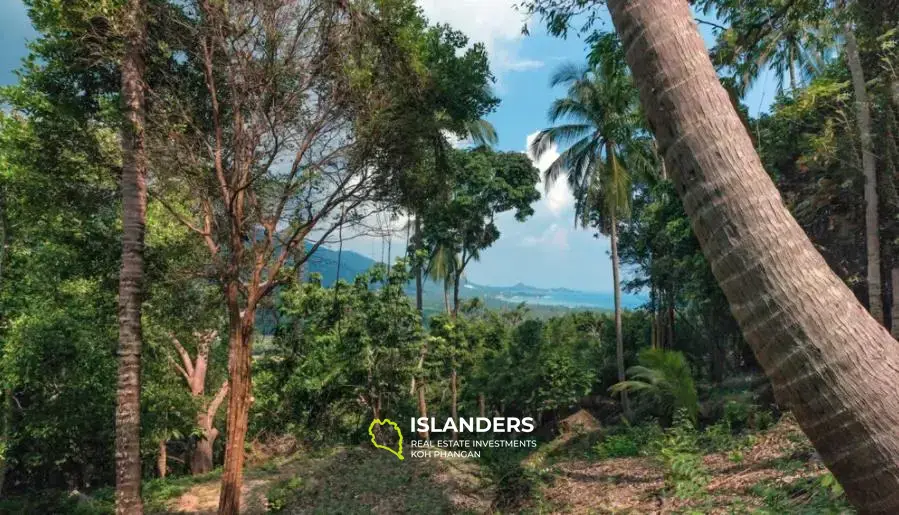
x=240 y=334
x=619 y=337
x=670 y=323
x=454 y=409
x=7 y=392
x=482 y=405
x=869 y=166
x=419 y=272
x=717 y=365
x=4 y=437
x=895 y=311
x=162 y=459
x=201 y=459
x=825 y=355
x=792 y=66
x=134 y=210
x=422 y=408
x=456 y=280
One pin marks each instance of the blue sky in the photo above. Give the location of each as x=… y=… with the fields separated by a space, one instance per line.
x=546 y=250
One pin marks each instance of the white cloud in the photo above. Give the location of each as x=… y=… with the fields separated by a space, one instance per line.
x=496 y=23
x=558 y=199
x=553 y=236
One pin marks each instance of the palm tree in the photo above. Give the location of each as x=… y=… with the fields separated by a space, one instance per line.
x=829 y=361
x=665 y=376
x=134 y=215
x=789 y=42
x=442 y=266
x=601 y=127
x=479 y=132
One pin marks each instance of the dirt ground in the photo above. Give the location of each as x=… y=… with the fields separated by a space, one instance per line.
x=360 y=480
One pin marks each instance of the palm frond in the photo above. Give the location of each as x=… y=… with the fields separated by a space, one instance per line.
x=482 y=133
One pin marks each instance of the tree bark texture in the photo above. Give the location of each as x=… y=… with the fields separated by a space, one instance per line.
x=240 y=336
x=834 y=364
x=162 y=458
x=895 y=311
x=134 y=214
x=194 y=372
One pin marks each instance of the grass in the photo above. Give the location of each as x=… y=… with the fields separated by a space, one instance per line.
x=627 y=469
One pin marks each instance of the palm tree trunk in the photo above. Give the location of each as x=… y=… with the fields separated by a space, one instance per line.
x=792 y=66
x=134 y=213
x=455 y=406
x=457 y=278
x=827 y=358
x=419 y=271
x=446 y=300
x=869 y=166
x=895 y=311
x=422 y=408
x=619 y=336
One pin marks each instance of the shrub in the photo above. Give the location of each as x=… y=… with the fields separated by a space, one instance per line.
x=617 y=446
x=630 y=441
x=664 y=377
x=280 y=495
x=685 y=474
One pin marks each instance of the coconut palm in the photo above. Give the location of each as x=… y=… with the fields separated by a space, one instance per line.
x=791 y=43
x=441 y=266
x=599 y=125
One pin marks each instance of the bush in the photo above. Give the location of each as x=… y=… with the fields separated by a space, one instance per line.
x=685 y=474
x=280 y=495
x=630 y=441
x=664 y=379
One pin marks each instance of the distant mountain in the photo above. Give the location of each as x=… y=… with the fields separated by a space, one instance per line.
x=324 y=261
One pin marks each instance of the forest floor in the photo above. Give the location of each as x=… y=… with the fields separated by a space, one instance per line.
x=774 y=471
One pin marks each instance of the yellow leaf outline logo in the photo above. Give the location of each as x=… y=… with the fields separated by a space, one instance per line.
x=386 y=421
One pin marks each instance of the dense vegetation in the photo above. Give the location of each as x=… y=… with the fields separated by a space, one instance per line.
x=168 y=171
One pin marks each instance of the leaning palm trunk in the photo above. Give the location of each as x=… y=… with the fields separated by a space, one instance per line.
x=833 y=364
x=895 y=311
x=134 y=214
x=869 y=166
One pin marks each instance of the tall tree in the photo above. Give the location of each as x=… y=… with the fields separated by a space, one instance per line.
x=869 y=168
x=605 y=144
x=280 y=134
x=134 y=214
x=829 y=360
x=483 y=184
